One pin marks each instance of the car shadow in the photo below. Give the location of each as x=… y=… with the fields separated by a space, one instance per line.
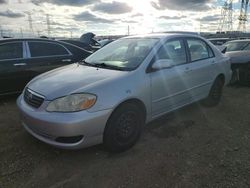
x=8 y=98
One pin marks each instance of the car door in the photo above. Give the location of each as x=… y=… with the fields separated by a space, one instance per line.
x=201 y=68
x=46 y=55
x=169 y=87
x=13 y=67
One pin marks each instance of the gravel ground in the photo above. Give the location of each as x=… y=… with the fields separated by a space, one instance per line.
x=192 y=147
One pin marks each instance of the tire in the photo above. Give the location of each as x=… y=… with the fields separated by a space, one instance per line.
x=123 y=128
x=215 y=93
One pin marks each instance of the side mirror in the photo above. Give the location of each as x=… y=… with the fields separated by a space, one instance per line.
x=222 y=48
x=163 y=64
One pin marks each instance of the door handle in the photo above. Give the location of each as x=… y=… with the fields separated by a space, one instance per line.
x=66 y=60
x=20 y=64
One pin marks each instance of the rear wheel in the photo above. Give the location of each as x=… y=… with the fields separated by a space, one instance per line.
x=215 y=93
x=123 y=128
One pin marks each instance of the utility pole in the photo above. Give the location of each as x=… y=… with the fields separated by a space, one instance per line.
x=30 y=23
x=48 y=24
x=38 y=33
x=1 y=31
x=128 y=30
x=10 y=33
x=21 y=32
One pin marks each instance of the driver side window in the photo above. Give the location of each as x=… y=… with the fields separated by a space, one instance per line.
x=173 y=50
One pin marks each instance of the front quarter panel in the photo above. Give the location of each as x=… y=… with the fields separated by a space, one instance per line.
x=135 y=85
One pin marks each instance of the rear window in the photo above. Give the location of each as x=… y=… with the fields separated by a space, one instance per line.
x=235 y=46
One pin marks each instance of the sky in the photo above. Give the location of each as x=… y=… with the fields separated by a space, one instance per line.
x=71 y=18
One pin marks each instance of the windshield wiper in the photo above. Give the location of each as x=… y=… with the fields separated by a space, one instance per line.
x=108 y=66
x=83 y=62
x=103 y=65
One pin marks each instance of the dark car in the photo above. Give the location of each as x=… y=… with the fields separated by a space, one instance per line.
x=219 y=41
x=82 y=45
x=23 y=59
x=239 y=53
x=104 y=42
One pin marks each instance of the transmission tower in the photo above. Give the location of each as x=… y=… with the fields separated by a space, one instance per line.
x=48 y=24
x=243 y=15
x=226 y=21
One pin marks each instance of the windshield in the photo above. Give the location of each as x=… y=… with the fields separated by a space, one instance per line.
x=123 y=54
x=235 y=46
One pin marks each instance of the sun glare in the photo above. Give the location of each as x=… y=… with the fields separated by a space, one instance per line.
x=146 y=20
x=142 y=7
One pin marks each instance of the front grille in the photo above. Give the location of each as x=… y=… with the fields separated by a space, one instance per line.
x=33 y=99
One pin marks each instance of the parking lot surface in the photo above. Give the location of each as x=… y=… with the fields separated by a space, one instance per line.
x=192 y=147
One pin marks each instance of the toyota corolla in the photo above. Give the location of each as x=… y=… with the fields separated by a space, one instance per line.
x=111 y=95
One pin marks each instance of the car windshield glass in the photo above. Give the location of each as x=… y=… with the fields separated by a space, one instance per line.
x=124 y=54
x=235 y=46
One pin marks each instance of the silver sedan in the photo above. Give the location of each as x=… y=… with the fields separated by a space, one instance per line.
x=111 y=95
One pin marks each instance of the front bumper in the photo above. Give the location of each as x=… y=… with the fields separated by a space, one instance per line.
x=48 y=127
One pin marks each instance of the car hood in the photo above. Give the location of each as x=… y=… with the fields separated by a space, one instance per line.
x=70 y=79
x=239 y=56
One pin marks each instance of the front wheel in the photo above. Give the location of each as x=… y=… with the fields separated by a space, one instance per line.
x=123 y=128
x=215 y=93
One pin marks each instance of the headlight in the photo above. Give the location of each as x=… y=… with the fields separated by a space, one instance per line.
x=72 y=103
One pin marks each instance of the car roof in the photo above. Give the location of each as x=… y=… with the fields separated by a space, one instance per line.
x=220 y=39
x=25 y=39
x=164 y=35
x=240 y=40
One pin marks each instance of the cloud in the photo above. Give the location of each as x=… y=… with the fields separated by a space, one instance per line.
x=89 y=17
x=137 y=15
x=212 y=18
x=191 y=5
x=65 y=2
x=172 y=17
x=3 y=1
x=11 y=14
x=112 y=8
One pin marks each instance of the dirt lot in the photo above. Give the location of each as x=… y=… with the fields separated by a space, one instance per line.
x=193 y=147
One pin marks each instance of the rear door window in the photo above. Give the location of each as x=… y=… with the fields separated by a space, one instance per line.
x=44 y=49
x=199 y=50
x=11 y=50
